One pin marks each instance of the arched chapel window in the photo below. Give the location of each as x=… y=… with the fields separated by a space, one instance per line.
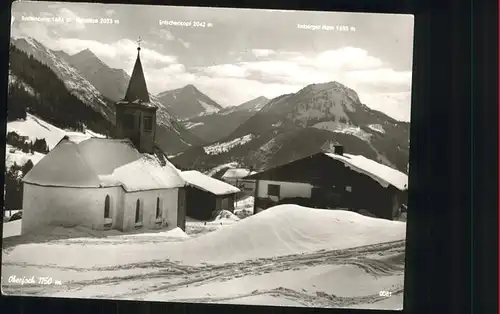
x=138 y=217
x=158 y=209
x=107 y=212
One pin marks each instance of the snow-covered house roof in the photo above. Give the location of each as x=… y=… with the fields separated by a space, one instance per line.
x=237 y=173
x=208 y=184
x=98 y=162
x=385 y=175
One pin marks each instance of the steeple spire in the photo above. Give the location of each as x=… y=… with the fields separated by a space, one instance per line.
x=137 y=89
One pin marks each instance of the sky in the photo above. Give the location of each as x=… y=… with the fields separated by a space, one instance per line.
x=237 y=55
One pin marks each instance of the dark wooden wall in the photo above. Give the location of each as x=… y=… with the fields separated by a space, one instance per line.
x=231 y=198
x=322 y=171
x=181 y=209
x=200 y=204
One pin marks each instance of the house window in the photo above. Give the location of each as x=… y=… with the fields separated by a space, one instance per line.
x=107 y=212
x=158 y=209
x=273 y=190
x=128 y=121
x=138 y=212
x=148 y=124
x=348 y=188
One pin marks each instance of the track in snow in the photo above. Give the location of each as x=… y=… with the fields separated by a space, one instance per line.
x=384 y=259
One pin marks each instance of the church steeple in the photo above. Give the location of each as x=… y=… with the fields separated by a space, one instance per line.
x=137 y=89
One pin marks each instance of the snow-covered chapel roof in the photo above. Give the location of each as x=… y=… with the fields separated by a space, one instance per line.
x=208 y=184
x=98 y=162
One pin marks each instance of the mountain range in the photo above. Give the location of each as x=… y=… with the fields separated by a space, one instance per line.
x=112 y=83
x=259 y=133
x=216 y=126
x=296 y=125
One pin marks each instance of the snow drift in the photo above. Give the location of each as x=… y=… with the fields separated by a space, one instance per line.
x=277 y=231
x=11 y=229
x=290 y=229
x=226 y=215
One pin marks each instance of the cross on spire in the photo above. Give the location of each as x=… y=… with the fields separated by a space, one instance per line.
x=139 y=43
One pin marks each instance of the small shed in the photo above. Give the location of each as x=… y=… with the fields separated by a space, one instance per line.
x=206 y=195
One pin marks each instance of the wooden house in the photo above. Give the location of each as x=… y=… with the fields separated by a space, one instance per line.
x=206 y=196
x=335 y=181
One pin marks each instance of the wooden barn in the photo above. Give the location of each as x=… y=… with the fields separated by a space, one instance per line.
x=205 y=195
x=333 y=180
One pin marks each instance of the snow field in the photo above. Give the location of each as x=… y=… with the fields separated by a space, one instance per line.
x=223 y=147
x=178 y=267
x=34 y=128
x=15 y=155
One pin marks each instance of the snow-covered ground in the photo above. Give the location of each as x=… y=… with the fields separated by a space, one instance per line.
x=208 y=109
x=244 y=207
x=337 y=127
x=286 y=255
x=223 y=147
x=377 y=128
x=34 y=127
x=11 y=229
x=190 y=125
x=17 y=156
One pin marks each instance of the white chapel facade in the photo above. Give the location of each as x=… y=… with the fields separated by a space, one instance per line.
x=124 y=183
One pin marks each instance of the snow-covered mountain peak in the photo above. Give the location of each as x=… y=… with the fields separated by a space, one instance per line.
x=86 y=52
x=190 y=87
x=87 y=58
x=315 y=103
x=253 y=105
x=332 y=88
x=188 y=102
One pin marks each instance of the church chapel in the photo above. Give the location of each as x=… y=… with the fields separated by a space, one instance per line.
x=125 y=183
